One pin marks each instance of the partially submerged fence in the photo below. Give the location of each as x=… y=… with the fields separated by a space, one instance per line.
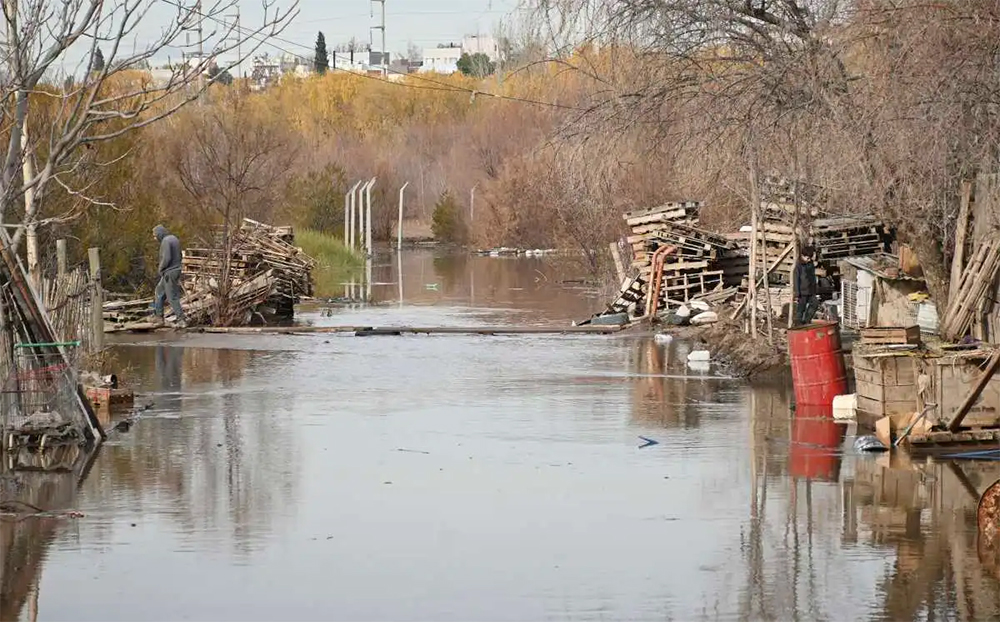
x=38 y=379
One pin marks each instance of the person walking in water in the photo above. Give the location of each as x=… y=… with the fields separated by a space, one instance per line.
x=805 y=287
x=169 y=286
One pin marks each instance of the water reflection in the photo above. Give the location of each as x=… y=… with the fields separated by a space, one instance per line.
x=213 y=453
x=47 y=481
x=670 y=391
x=267 y=481
x=925 y=513
x=919 y=515
x=534 y=288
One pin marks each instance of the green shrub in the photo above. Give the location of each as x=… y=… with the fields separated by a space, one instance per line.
x=447 y=223
x=335 y=263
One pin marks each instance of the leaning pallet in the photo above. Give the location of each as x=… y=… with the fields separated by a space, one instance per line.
x=977 y=279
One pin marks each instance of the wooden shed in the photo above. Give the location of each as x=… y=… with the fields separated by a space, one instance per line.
x=891 y=381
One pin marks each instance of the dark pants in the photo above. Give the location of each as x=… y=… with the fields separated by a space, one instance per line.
x=805 y=309
x=169 y=288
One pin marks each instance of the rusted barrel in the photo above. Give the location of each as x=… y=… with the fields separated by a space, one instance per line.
x=815 y=452
x=818 y=372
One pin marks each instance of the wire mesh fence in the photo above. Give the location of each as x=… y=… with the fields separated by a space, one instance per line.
x=41 y=393
x=39 y=382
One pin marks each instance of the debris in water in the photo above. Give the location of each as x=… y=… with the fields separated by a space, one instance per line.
x=868 y=443
x=700 y=356
x=648 y=442
x=414 y=451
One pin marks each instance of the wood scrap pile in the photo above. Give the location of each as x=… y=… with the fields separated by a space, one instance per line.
x=702 y=265
x=971 y=294
x=268 y=275
x=256 y=248
x=833 y=238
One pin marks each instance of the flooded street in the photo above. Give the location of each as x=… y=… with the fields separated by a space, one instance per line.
x=328 y=477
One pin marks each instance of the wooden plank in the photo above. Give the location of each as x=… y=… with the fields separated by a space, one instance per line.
x=760 y=282
x=426 y=330
x=616 y=256
x=891 y=335
x=991 y=368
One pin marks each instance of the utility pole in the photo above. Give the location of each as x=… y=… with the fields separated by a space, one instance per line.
x=201 y=54
x=235 y=32
x=384 y=58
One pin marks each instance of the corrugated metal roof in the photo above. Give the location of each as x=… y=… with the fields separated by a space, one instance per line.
x=876 y=264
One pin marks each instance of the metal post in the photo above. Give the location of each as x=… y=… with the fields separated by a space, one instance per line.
x=96 y=301
x=399 y=221
x=472 y=204
x=349 y=216
x=361 y=215
x=61 y=257
x=347 y=207
x=368 y=217
x=349 y=226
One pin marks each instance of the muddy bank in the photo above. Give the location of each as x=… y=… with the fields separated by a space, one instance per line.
x=759 y=361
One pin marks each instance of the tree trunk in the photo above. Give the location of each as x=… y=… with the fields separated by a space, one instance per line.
x=932 y=262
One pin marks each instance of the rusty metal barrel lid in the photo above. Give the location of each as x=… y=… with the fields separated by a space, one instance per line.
x=988 y=517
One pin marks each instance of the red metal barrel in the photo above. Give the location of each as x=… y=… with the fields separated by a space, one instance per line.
x=815 y=449
x=818 y=372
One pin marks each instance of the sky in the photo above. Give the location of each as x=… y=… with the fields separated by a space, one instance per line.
x=424 y=23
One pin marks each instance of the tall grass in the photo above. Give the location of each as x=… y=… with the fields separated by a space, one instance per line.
x=335 y=263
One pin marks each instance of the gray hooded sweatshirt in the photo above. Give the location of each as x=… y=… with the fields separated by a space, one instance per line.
x=170 y=249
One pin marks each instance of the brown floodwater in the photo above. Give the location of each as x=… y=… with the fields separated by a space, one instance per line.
x=333 y=477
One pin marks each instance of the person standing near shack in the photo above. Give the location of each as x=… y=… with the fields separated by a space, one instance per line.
x=805 y=287
x=169 y=286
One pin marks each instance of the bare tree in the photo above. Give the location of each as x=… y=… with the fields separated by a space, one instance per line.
x=876 y=101
x=103 y=102
x=229 y=163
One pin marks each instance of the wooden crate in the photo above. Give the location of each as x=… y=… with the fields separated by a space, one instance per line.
x=885 y=335
x=106 y=401
x=885 y=385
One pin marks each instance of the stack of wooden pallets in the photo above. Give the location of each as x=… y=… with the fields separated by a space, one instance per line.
x=703 y=265
x=833 y=238
x=257 y=249
x=267 y=276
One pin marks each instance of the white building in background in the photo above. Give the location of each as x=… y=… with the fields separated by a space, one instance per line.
x=481 y=44
x=441 y=60
x=445 y=59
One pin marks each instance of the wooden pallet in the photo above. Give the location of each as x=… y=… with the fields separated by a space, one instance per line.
x=948 y=442
x=884 y=335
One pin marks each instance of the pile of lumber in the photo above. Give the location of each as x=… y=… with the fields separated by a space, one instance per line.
x=833 y=238
x=267 y=276
x=702 y=265
x=255 y=249
x=972 y=292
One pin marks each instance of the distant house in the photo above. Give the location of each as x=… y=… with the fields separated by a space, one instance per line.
x=441 y=60
x=481 y=44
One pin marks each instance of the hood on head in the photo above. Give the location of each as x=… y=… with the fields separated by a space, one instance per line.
x=160 y=232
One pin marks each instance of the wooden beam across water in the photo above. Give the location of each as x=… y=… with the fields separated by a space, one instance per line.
x=367 y=331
